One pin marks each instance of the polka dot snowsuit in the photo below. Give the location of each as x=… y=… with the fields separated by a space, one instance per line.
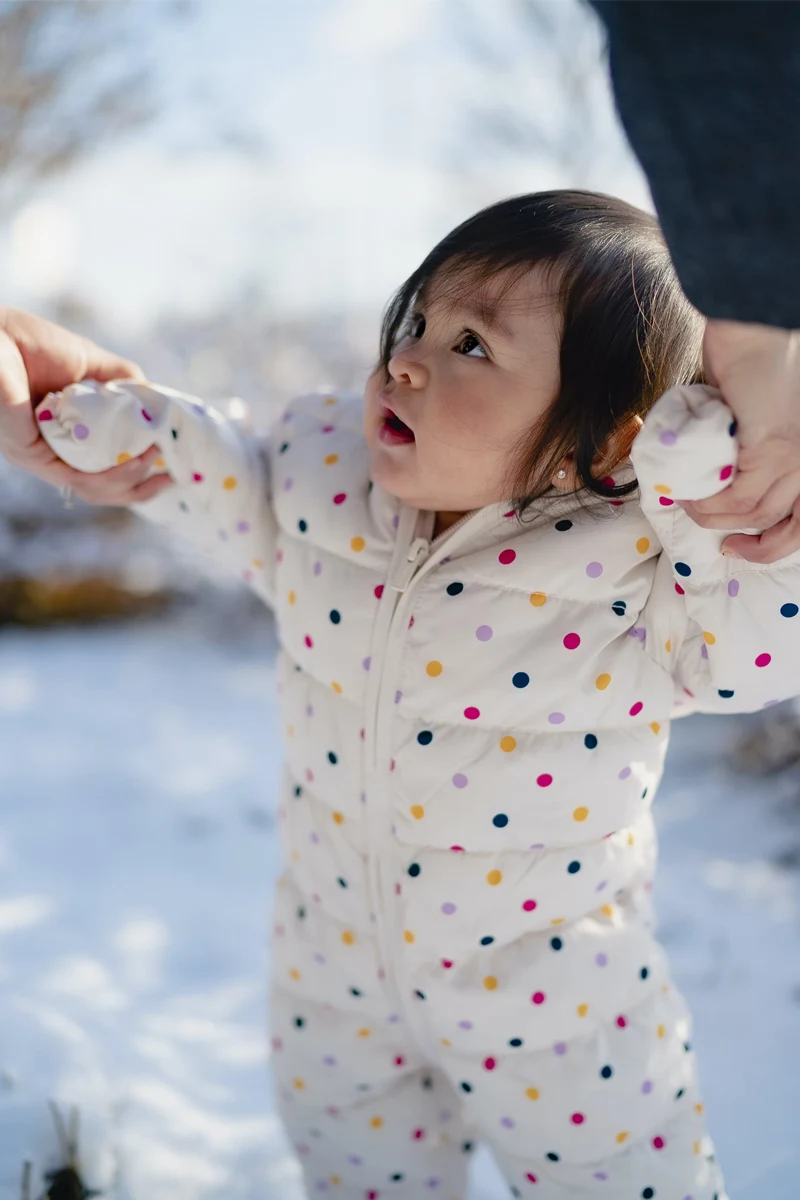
x=475 y=730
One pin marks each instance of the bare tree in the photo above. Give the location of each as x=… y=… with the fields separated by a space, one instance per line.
x=67 y=85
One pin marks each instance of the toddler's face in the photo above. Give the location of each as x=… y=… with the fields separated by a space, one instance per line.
x=468 y=392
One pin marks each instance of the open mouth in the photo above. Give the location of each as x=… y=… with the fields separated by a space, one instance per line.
x=393 y=430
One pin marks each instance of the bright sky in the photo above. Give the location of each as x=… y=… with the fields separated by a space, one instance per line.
x=373 y=155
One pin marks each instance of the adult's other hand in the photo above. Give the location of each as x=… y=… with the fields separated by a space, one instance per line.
x=757 y=369
x=37 y=357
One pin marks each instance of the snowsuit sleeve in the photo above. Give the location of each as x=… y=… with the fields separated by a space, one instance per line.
x=728 y=630
x=221 y=499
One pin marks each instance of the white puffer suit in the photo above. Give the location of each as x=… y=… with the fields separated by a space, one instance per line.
x=475 y=730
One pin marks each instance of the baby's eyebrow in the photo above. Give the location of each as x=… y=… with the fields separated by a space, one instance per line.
x=487 y=315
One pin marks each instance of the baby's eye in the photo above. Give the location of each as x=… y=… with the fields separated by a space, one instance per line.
x=468 y=345
x=416 y=326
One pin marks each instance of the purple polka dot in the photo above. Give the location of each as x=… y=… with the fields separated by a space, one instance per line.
x=647 y=1087
x=242 y=526
x=538 y=846
x=81 y=432
x=602 y=884
x=363 y=797
x=445 y=1115
x=288 y=484
x=668 y=437
x=556 y=718
x=601 y=960
x=507 y=1122
x=355 y=1159
x=560 y=1048
x=448 y=908
x=594 y=570
x=393 y=1018
x=484 y=633
x=432 y=1183
x=395 y=521
x=317 y=568
x=704 y=651
x=314 y=837
x=460 y=780
x=320 y=958
x=624 y=773
x=601 y=1175
x=222 y=535
x=398 y=696
x=465 y=1024
x=769 y=703
x=329 y=1060
x=733 y=587
x=365 y=662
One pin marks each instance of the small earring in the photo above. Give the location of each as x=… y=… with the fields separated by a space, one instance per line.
x=561 y=473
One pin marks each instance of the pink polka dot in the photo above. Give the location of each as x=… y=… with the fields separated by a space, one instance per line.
x=622 y=1021
x=733 y=587
x=379 y=591
x=538 y=998
x=484 y=633
x=528 y=905
x=81 y=432
x=340 y=498
x=668 y=438
x=489 y=1064
x=45 y=415
x=556 y=718
x=328 y=428
x=506 y=557
x=572 y=641
x=510 y=513
x=577 y=1118
x=763 y=660
x=531 y=1178
x=594 y=570
x=399 y=1060
x=665 y=501
x=447 y=963
x=544 y=780
x=679 y=590
x=146 y=415
x=460 y=780
x=472 y=713
x=448 y=908
x=457 y=848
x=419 y=1134
x=197 y=477
x=658 y=1143
x=308 y=641
x=636 y=708
x=726 y=472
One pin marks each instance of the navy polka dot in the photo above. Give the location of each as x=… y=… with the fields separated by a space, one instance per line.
x=501 y=820
x=679 y=1093
x=302 y=525
x=487 y=941
x=397 y=1177
x=335 y=616
x=301 y=913
x=298 y=791
x=619 y=607
x=467 y=1147
x=648 y=1193
x=454 y=589
x=725 y=693
x=644 y=973
x=414 y=870
x=341 y=882
x=590 y=741
x=683 y=568
x=284 y=448
x=556 y=943
x=552 y=1156
x=299 y=1022
x=606 y=1072
x=466 y=1087
x=521 y=679
x=183 y=506
x=425 y=737
x=574 y=867
x=355 y=992
x=174 y=433
x=732 y=428
x=563 y=526
x=789 y=610
x=420 y=995
x=332 y=758
x=515 y=1042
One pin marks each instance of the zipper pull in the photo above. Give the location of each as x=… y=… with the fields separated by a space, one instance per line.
x=418 y=551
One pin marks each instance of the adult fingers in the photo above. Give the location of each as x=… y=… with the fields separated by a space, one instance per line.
x=767 y=547
x=114 y=485
x=757 y=469
x=777 y=503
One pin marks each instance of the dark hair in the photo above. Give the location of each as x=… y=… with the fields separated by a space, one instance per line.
x=628 y=330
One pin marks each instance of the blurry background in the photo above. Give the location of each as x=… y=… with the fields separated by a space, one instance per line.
x=228 y=191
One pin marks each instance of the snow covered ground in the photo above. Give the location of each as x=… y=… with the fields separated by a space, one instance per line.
x=138 y=768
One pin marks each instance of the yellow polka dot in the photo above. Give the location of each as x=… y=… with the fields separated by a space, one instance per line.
x=330 y=400
x=348 y=937
x=602 y=681
x=557 y=921
x=417 y=812
x=376 y=1122
x=708 y=638
x=330 y=459
x=494 y=877
x=364 y=1032
x=159 y=463
x=697 y=1147
x=608 y=910
x=583 y=1009
x=698 y=1108
x=299 y=1084
x=295 y=856
x=662 y=489
x=434 y=668
x=643 y=545
x=508 y=743
x=532 y=1093
x=631 y=839
x=538 y=599
x=258 y=563
x=580 y=814
x=123 y=458
x=357 y=543
x=338 y=818
x=446 y=1042
x=292 y=597
x=408 y=935
x=337 y=687
x=661 y=1031
x=290 y=731
x=490 y=983
x=294 y=973
x=622 y=1137
x=229 y=482
x=335 y=1179
x=656 y=728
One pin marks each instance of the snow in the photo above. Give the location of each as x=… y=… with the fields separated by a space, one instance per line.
x=137 y=853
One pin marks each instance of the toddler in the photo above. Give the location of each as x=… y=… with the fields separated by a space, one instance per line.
x=490 y=604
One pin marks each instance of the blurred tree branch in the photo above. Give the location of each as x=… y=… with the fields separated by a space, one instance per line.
x=66 y=83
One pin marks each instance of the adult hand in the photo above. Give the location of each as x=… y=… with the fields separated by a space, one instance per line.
x=37 y=357
x=757 y=369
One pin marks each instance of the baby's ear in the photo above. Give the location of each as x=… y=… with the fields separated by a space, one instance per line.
x=618 y=446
